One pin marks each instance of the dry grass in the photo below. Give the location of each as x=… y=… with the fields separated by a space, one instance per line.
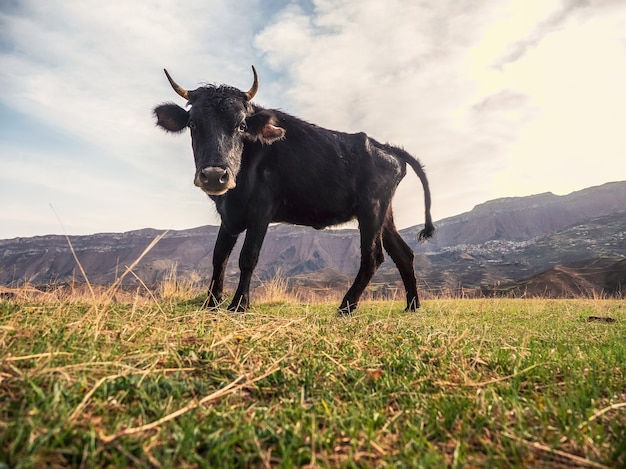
x=469 y=383
x=103 y=376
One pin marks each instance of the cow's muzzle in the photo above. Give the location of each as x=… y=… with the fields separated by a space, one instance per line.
x=214 y=180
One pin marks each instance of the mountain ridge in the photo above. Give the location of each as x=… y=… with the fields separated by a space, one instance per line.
x=498 y=241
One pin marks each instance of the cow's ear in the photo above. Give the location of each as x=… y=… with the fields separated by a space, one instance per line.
x=263 y=127
x=171 y=117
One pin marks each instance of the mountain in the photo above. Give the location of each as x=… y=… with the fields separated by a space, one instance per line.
x=524 y=218
x=501 y=261
x=498 y=242
x=593 y=277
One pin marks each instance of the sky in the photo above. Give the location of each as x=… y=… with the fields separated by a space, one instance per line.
x=497 y=98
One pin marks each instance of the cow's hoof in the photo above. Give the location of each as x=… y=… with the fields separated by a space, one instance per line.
x=212 y=303
x=346 y=311
x=412 y=306
x=238 y=306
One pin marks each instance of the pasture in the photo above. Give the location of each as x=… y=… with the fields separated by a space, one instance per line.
x=93 y=381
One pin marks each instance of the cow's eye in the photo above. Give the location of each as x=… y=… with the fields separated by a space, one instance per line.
x=191 y=124
x=242 y=127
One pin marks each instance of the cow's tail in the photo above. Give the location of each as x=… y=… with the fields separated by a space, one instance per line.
x=429 y=227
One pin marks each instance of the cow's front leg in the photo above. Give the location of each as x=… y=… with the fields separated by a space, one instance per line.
x=221 y=252
x=247 y=262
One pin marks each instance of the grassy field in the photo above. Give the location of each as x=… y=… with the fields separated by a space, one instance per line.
x=146 y=382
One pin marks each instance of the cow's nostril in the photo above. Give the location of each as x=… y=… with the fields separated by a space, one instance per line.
x=214 y=178
x=214 y=172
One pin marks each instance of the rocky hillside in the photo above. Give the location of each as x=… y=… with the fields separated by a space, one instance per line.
x=594 y=277
x=498 y=242
x=525 y=218
x=487 y=265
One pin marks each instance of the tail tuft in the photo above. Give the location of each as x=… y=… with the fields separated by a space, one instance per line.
x=426 y=233
x=429 y=228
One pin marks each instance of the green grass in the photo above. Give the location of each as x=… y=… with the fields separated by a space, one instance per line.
x=462 y=383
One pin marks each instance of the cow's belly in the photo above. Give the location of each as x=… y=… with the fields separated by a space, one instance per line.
x=319 y=216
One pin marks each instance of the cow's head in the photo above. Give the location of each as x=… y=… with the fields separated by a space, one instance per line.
x=220 y=119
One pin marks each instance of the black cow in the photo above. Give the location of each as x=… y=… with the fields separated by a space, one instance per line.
x=262 y=165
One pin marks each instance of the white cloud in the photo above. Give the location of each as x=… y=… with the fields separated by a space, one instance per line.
x=96 y=70
x=573 y=79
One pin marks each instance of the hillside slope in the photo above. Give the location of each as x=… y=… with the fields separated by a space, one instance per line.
x=594 y=277
x=498 y=242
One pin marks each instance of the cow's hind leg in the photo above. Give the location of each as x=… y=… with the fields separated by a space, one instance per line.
x=371 y=257
x=402 y=256
x=221 y=252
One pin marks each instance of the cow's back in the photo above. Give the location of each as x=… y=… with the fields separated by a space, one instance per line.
x=322 y=177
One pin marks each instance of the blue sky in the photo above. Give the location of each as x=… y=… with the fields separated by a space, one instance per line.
x=497 y=98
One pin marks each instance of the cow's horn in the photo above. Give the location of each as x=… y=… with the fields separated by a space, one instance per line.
x=255 y=86
x=179 y=89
